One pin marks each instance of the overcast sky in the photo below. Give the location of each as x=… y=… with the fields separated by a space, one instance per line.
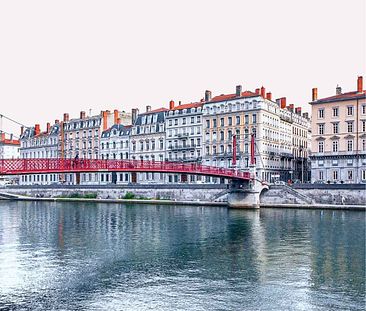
x=67 y=56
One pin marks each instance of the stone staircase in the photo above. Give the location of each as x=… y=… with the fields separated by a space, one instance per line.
x=283 y=194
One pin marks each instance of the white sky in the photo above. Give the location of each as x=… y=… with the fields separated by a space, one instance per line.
x=67 y=56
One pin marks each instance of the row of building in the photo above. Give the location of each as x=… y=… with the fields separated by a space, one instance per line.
x=289 y=145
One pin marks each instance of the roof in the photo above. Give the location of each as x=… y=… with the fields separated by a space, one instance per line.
x=224 y=97
x=188 y=106
x=121 y=129
x=341 y=97
x=10 y=142
x=154 y=111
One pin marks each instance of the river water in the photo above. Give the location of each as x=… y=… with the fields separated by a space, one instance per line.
x=81 y=256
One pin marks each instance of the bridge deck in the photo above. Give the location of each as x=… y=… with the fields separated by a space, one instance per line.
x=50 y=166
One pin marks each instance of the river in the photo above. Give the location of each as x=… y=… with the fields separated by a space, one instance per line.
x=88 y=256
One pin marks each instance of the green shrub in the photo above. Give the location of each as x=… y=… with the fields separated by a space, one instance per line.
x=129 y=196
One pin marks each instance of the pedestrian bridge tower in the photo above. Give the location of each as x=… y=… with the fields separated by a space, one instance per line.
x=245 y=194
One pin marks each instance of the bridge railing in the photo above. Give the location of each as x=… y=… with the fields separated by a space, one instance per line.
x=29 y=166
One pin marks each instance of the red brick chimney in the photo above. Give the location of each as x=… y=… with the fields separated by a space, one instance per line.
x=171 y=104
x=105 y=119
x=115 y=116
x=2 y=136
x=283 y=102
x=298 y=110
x=48 y=127
x=315 y=94
x=257 y=91
x=66 y=117
x=269 y=96
x=359 y=84
x=37 y=129
x=291 y=107
x=263 y=92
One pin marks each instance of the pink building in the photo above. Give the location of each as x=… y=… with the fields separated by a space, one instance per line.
x=338 y=144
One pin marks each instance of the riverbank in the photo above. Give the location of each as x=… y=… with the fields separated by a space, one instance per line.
x=192 y=203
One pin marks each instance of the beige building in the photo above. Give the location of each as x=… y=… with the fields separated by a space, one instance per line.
x=338 y=148
x=281 y=134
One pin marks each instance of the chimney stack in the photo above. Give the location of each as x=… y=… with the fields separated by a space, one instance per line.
x=82 y=114
x=21 y=130
x=37 y=129
x=238 y=90
x=283 y=102
x=180 y=102
x=171 y=104
x=118 y=121
x=315 y=94
x=105 y=119
x=48 y=127
x=359 y=84
x=134 y=115
x=269 y=96
x=257 y=91
x=208 y=96
x=291 y=107
x=148 y=108
x=2 y=136
x=305 y=115
x=338 y=90
x=11 y=137
x=115 y=116
x=57 y=121
x=263 y=92
x=66 y=117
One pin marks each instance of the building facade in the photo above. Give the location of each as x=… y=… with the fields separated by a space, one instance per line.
x=9 y=147
x=147 y=142
x=338 y=143
x=115 y=144
x=184 y=137
x=275 y=127
x=45 y=145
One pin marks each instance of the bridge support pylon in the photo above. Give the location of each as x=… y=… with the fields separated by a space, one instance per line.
x=244 y=194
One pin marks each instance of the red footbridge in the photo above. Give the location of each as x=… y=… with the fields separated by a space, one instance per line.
x=50 y=166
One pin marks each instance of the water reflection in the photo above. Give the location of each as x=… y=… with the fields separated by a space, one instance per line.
x=113 y=257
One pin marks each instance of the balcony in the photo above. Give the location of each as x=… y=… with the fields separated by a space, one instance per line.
x=183 y=147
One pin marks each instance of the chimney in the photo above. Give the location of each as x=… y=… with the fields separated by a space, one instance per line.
x=208 y=96
x=291 y=107
x=2 y=136
x=238 y=90
x=148 y=108
x=278 y=102
x=171 y=104
x=180 y=102
x=115 y=116
x=134 y=115
x=57 y=121
x=21 y=130
x=305 y=115
x=315 y=94
x=359 y=84
x=298 y=110
x=105 y=119
x=82 y=114
x=283 y=102
x=11 y=137
x=269 y=96
x=257 y=91
x=338 y=90
x=118 y=121
x=48 y=127
x=263 y=92
x=66 y=117
x=37 y=129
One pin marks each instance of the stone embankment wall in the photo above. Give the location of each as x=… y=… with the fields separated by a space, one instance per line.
x=313 y=193
x=209 y=193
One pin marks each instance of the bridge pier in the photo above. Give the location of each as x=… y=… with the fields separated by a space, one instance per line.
x=243 y=195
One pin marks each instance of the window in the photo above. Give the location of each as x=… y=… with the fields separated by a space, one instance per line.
x=214 y=123
x=349 y=110
x=350 y=126
x=363 y=174
x=230 y=121
x=198 y=142
x=335 y=111
x=246 y=119
x=335 y=128
x=335 y=146
x=184 y=121
x=222 y=122
x=254 y=118
x=320 y=129
x=170 y=122
x=175 y=121
x=321 y=113
x=321 y=163
x=363 y=109
x=335 y=175
x=222 y=135
x=192 y=120
x=237 y=120
x=363 y=125
x=207 y=123
x=349 y=145
x=363 y=144
x=321 y=175
x=321 y=146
